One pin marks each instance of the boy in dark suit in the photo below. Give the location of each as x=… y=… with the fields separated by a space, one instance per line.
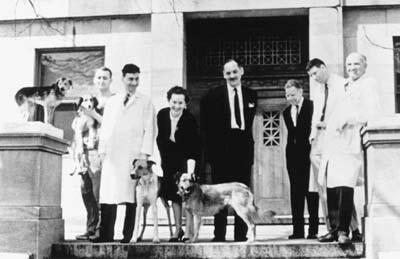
x=298 y=122
x=226 y=119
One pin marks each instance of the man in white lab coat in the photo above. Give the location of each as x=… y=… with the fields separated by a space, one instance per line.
x=327 y=91
x=342 y=156
x=127 y=133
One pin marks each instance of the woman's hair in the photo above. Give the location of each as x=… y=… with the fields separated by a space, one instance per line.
x=178 y=90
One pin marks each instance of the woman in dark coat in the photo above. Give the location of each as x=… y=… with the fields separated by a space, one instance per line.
x=178 y=141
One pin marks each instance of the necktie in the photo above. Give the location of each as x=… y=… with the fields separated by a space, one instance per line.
x=237 y=108
x=297 y=115
x=325 y=101
x=126 y=98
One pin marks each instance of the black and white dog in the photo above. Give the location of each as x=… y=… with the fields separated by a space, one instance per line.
x=49 y=97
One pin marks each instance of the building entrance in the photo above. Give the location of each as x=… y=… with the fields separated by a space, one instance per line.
x=272 y=50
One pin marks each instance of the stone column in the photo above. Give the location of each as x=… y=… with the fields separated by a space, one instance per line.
x=326 y=36
x=167 y=66
x=381 y=141
x=30 y=188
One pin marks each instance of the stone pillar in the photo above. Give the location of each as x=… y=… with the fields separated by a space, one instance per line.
x=30 y=188
x=168 y=55
x=381 y=141
x=326 y=36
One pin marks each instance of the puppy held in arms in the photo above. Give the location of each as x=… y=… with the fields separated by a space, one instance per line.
x=208 y=200
x=85 y=134
x=49 y=97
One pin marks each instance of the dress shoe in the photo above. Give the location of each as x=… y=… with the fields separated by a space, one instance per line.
x=296 y=236
x=218 y=239
x=356 y=236
x=343 y=238
x=83 y=236
x=330 y=237
x=312 y=236
x=125 y=241
x=100 y=240
x=241 y=239
x=178 y=238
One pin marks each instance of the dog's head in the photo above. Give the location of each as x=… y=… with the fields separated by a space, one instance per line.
x=62 y=86
x=139 y=169
x=88 y=101
x=186 y=183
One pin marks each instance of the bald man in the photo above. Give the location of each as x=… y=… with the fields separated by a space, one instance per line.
x=342 y=156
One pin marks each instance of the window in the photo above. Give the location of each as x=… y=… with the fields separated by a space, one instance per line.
x=77 y=64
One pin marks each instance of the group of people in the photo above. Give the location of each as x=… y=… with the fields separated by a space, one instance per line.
x=324 y=153
x=129 y=130
x=324 y=156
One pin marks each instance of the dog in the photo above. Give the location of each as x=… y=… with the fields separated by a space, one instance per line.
x=49 y=97
x=208 y=200
x=85 y=135
x=147 y=192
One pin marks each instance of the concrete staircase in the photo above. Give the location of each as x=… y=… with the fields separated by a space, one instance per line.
x=270 y=249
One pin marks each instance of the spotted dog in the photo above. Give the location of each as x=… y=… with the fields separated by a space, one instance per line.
x=85 y=136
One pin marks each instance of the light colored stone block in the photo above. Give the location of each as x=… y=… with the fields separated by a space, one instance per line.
x=381 y=140
x=30 y=188
x=326 y=37
x=15 y=256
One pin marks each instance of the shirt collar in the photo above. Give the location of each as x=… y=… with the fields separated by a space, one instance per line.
x=231 y=89
x=300 y=103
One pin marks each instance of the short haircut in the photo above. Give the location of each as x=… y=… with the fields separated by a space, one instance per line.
x=231 y=60
x=315 y=62
x=131 y=69
x=178 y=90
x=105 y=69
x=293 y=83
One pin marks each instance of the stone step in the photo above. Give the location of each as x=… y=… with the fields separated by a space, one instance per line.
x=207 y=220
x=266 y=249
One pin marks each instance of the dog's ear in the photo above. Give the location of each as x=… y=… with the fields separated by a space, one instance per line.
x=79 y=102
x=95 y=102
x=134 y=163
x=177 y=177
x=150 y=163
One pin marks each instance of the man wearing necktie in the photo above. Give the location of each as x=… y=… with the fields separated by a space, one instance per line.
x=226 y=119
x=128 y=133
x=297 y=118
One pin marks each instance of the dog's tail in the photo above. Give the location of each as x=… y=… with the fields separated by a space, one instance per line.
x=261 y=216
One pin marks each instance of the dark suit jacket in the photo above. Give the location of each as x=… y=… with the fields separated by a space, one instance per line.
x=298 y=146
x=215 y=122
x=187 y=138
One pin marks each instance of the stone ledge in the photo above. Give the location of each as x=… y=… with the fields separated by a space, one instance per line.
x=268 y=249
x=15 y=256
x=30 y=212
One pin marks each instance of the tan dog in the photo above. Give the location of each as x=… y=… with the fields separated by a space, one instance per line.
x=147 y=192
x=208 y=200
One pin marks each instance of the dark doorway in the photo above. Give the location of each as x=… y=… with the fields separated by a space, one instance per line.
x=272 y=50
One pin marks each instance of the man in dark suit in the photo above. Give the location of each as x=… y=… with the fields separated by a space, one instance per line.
x=298 y=122
x=226 y=115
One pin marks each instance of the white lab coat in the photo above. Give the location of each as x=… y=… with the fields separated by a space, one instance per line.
x=127 y=133
x=336 y=90
x=342 y=154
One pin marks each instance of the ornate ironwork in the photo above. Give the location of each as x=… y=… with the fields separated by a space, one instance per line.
x=271 y=128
